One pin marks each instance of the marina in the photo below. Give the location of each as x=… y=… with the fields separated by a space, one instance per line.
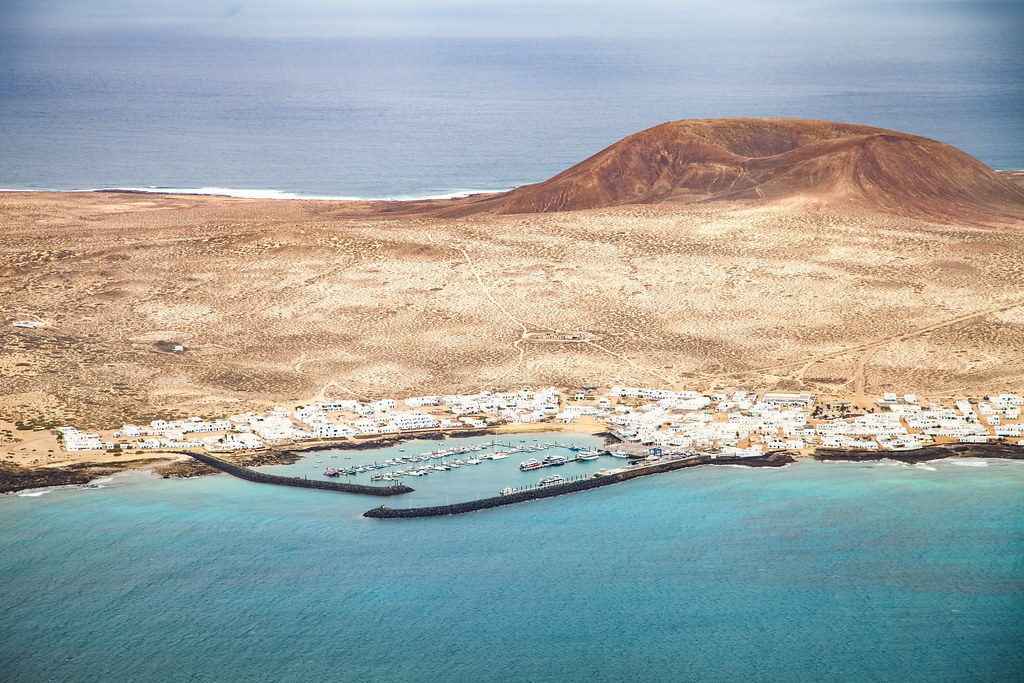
x=452 y=458
x=499 y=465
x=582 y=463
x=556 y=485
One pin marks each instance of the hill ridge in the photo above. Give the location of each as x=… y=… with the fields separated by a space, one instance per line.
x=770 y=159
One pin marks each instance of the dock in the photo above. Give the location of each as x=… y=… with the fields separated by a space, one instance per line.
x=772 y=459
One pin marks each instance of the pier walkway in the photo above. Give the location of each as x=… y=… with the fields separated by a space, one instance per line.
x=767 y=460
x=264 y=478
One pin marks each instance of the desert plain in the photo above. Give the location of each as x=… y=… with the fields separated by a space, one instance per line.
x=285 y=301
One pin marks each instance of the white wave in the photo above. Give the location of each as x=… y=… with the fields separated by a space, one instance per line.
x=242 y=193
x=922 y=466
x=34 y=494
x=968 y=462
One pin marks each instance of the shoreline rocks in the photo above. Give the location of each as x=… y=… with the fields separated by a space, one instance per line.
x=936 y=452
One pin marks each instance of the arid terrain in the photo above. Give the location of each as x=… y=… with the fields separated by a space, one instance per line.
x=284 y=300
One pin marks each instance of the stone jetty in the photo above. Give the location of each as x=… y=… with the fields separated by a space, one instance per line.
x=264 y=478
x=774 y=459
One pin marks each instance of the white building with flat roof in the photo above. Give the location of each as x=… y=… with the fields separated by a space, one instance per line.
x=786 y=399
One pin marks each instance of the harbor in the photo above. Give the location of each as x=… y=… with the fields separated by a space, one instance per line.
x=421 y=464
x=598 y=479
x=481 y=472
x=554 y=465
x=499 y=466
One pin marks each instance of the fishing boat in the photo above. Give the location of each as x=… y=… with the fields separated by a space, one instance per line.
x=331 y=472
x=531 y=464
x=507 y=490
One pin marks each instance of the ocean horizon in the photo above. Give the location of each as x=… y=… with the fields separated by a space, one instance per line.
x=415 y=117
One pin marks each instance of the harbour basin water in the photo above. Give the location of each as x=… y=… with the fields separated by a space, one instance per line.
x=466 y=482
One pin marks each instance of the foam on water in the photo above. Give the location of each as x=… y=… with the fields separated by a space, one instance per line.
x=968 y=462
x=246 y=193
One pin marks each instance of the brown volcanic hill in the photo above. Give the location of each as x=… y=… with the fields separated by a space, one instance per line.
x=702 y=160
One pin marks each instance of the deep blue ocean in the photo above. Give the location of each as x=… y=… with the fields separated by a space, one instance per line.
x=815 y=571
x=424 y=116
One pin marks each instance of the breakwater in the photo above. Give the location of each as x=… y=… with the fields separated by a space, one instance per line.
x=775 y=459
x=264 y=478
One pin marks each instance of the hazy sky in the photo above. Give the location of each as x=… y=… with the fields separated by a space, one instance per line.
x=845 y=20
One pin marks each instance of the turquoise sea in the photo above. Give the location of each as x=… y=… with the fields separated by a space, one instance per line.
x=815 y=571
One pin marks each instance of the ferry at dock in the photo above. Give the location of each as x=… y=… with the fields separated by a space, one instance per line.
x=531 y=464
x=551 y=481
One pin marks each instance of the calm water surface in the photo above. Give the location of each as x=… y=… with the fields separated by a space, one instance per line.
x=415 y=116
x=813 y=571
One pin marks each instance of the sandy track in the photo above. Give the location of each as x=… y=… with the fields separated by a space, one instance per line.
x=283 y=301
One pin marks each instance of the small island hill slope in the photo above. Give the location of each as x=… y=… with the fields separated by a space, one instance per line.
x=820 y=163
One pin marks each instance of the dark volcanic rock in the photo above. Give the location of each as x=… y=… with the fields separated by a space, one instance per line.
x=20 y=478
x=937 y=452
